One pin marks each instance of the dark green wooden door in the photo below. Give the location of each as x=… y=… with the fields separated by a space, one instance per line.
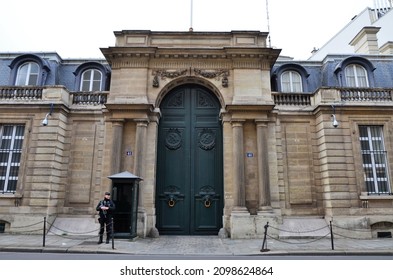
x=189 y=195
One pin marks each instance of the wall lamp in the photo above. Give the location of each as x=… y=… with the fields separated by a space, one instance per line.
x=334 y=121
x=45 y=120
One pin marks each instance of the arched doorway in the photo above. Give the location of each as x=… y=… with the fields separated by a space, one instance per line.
x=189 y=194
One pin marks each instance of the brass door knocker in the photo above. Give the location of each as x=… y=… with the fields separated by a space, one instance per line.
x=171 y=202
x=208 y=203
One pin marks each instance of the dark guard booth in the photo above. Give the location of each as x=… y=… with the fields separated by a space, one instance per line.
x=125 y=194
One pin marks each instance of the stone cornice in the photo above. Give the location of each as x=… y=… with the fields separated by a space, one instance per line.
x=113 y=54
x=225 y=58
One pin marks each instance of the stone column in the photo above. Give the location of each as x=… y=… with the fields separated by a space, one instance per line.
x=238 y=167
x=263 y=167
x=117 y=137
x=139 y=159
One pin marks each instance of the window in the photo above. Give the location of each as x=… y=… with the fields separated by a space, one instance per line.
x=27 y=74
x=291 y=81
x=375 y=166
x=356 y=76
x=11 y=140
x=91 y=80
x=29 y=70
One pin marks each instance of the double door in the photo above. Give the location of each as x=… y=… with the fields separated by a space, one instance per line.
x=189 y=188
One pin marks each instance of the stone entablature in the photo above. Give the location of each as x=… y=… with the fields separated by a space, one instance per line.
x=236 y=64
x=213 y=50
x=190 y=39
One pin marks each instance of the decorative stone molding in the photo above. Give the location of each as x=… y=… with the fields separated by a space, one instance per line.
x=164 y=74
x=208 y=74
x=215 y=74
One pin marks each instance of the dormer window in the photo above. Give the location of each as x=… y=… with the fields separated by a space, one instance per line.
x=91 y=80
x=356 y=76
x=28 y=74
x=91 y=77
x=291 y=81
x=29 y=70
x=355 y=72
x=290 y=78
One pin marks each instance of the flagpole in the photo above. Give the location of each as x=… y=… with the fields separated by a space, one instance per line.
x=191 y=12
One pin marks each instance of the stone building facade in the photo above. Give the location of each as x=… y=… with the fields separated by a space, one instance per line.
x=227 y=136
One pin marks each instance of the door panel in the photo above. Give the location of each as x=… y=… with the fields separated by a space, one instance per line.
x=189 y=168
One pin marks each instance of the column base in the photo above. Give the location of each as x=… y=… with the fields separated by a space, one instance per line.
x=240 y=210
x=265 y=210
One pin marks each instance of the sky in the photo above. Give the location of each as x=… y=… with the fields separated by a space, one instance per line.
x=79 y=28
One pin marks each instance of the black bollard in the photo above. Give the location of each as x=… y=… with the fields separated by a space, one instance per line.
x=113 y=240
x=43 y=233
x=264 y=243
x=331 y=235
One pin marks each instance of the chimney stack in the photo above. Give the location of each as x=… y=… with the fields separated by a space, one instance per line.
x=366 y=41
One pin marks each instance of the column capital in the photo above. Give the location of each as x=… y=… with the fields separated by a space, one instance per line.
x=237 y=122
x=261 y=122
x=142 y=122
x=117 y=122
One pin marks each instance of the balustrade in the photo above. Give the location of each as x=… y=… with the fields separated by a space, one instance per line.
x=89 y=98
x=366 y=94
x=21 y=93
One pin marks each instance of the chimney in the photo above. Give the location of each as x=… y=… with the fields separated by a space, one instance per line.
x=387 y=48
x=366 y=41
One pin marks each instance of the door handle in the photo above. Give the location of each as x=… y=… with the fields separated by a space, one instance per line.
x=207 y=196
x=208 y=201
x=171 y=197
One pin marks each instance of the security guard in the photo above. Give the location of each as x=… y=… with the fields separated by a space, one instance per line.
x=105 y=208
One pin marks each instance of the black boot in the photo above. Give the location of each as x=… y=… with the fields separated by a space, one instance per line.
x=107 y=239
x=100 y=240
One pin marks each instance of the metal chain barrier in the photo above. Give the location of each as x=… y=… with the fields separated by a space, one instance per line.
x=264 y=243
x=70 y=235
x=65 y=234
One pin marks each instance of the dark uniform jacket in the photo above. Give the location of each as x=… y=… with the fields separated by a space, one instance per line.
x=106 y=214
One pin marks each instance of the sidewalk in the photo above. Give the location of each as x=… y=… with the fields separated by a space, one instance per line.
x=195 y=245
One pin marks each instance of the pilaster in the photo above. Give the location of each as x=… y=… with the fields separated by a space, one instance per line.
x=263 y=167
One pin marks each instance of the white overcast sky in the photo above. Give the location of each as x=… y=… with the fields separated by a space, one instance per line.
x=79 y=28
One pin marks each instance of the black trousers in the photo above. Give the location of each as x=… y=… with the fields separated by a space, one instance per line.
x=105 y=224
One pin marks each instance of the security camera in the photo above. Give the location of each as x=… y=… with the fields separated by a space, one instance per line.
x=334 y=122
x=45 y=121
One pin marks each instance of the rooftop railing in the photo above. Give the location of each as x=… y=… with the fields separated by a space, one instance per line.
x=21 y=93
x=292 y=99
x=333 y=95
x=89 y=98
x=366 y=94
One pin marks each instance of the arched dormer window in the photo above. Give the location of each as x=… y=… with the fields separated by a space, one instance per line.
x=355 y=72
x=356 y=76
x=27 y=74
x=91 y=80
x=91 y=76
x=29 y=70
x=291 y=81
x=290 y=78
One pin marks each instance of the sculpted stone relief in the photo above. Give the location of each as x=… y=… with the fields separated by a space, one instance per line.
x=208 y=74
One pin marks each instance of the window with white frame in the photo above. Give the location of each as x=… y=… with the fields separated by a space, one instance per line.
x=27 y=74
x=356 y=76
x=375 y=166
x=91 y=80
x=11 y=141
x=291 y=81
